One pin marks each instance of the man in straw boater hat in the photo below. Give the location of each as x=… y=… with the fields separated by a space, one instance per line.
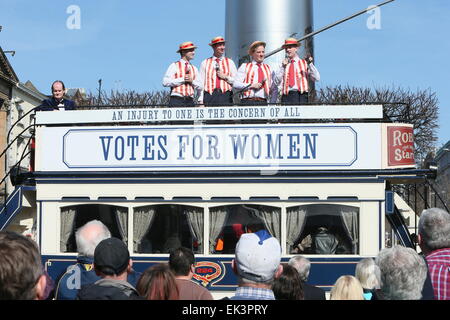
x=217 y=75
x=182 y=77
x=254 y=79
x=294 y=74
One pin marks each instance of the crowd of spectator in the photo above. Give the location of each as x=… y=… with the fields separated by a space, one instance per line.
x=104 y=270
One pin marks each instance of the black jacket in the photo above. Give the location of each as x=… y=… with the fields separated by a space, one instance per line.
x=313 y=293
x=106 y=289
x=51 y=104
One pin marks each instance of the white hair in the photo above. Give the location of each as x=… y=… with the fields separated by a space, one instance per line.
x=89 y=236
x=302 y=265
x=368 y=273
x=434 y=228
x=403 y=273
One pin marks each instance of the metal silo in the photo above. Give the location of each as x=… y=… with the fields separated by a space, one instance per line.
x=271 y=21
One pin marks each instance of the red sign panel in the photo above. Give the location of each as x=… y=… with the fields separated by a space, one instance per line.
x=400 y=146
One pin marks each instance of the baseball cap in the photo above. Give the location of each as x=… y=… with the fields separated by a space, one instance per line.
x=111 y=255
x=258 y=256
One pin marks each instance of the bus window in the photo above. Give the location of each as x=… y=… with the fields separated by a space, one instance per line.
x=322 y=229
x=74 y=217
x=161 y=228
x=390 y=237
x=228 y=223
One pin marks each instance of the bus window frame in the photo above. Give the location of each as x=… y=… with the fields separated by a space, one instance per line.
x=206 y=205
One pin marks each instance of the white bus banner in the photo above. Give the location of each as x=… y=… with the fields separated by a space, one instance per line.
x=237 y=147
x=149 y=115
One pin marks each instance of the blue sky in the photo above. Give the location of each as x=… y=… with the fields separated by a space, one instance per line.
x=129 y=44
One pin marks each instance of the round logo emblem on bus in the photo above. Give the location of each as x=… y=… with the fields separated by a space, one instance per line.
x=206 y=272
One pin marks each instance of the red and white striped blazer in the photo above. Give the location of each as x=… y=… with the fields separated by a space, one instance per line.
x=301 y=77
x=250 y=78
x=186 y=89
x=209 y=81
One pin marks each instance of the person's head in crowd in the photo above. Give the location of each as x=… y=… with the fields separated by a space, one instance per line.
x=21 y=271
x=112 y=259
x=347 y=288
x=187 y=50
x=182 y=262
x=288 y=286
x=290 y=47
x=257 y=51
x=58 y=90
x=257 y=259
x=302 y=265
x=368 y=273
x=403 y=273
x=89 y=236
x=218 y=46
x=434 y=230
x=158 y=283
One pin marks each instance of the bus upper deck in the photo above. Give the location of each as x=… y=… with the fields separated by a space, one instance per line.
x=200 y=177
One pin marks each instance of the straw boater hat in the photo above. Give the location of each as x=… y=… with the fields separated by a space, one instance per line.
x=290 y=42
x=186 y=46
x=217 y=40
x=254 y=45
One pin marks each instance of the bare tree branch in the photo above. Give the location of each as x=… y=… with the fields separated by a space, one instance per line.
x=419 y=108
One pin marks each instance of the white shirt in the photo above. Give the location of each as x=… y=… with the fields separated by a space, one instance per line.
x=230 y=79
x=313 y=73
x=169 y=79
x=239 y=83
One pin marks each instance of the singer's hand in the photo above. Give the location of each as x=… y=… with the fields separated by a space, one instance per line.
x=188 y=78
x=285 y=62
x=222 y=75
x=256 y=86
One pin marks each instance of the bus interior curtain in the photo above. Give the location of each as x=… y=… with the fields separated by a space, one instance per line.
x=142 y=221
x=295 y=221
x=67 y=224
x=195 y=220
x=122 y=222
x=218 y=216
x=349 y=217
x=270 y=218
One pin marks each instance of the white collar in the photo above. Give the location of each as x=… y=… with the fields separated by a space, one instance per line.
x=184 y=61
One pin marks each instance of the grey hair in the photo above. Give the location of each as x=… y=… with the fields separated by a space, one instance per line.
x=434 y=228
x=87 y=242
x=302 y=265
x=403 y=273
x=368 y=273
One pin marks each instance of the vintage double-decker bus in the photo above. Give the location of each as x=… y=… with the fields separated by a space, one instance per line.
x=161 y=178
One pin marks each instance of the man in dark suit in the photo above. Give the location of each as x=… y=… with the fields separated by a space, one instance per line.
x=57 y=101
x=303 y=265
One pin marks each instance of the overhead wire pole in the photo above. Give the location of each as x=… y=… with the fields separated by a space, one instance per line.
x=331 y=26
x=99 y=90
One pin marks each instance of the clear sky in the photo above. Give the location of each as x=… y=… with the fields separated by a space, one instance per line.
x=129 y=44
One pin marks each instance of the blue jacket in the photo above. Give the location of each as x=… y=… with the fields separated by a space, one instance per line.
x=80 y=274
x=51 y=104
